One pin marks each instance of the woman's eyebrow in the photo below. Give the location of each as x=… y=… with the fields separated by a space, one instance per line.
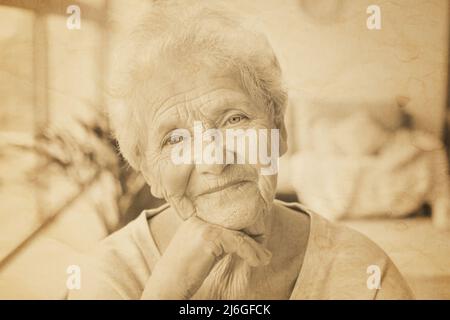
x=164 y=128
x=185 y=98
x=169 y=119
x=224 y=106
x=164 y=124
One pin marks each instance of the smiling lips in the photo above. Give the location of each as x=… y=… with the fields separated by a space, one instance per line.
x=233 y=184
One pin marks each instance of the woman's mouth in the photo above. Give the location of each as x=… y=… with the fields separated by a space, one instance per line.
x=233 y=184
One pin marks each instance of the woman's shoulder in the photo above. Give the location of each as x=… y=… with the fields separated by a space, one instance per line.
x=118 y=266
x=327 y=235
x=342 y=263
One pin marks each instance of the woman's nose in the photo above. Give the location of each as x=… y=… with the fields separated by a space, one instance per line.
x=215 y=169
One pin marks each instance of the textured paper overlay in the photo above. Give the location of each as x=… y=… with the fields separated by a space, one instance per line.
x=366 y=117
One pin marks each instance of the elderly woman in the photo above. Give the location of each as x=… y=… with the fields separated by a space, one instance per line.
x=221 y=234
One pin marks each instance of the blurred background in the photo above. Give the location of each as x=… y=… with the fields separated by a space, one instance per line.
x=368 y=131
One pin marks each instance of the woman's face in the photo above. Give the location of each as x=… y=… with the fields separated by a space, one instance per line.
x=235 y=196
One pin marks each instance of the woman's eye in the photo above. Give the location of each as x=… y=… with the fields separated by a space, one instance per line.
x=174 y=139
x=235 y=119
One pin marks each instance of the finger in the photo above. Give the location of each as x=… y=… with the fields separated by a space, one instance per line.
x=262 y=252
x=183 y=206
x=244 y=246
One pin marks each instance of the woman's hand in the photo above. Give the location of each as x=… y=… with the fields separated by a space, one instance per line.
x=191 y=254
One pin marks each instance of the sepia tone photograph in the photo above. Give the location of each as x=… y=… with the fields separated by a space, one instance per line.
x=224 y=150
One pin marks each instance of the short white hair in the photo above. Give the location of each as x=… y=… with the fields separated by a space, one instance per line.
x=190 y=35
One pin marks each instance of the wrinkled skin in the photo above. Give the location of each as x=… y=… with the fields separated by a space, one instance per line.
x=189 y=187
x=224 y=209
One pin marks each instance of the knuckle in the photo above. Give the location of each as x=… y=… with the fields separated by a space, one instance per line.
x=210 y=233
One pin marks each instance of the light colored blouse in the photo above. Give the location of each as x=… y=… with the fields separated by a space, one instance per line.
x=335 y=264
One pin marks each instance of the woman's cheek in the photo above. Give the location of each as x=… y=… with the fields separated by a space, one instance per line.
x=174 y=178
x=267 y=186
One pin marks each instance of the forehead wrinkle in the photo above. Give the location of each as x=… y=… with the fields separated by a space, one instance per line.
x=225 y=101
x=189 y=104
x=181 y=98
x=182 y=105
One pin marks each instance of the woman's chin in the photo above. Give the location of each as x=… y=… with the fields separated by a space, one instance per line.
x=243 y=211
x=236 y=219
